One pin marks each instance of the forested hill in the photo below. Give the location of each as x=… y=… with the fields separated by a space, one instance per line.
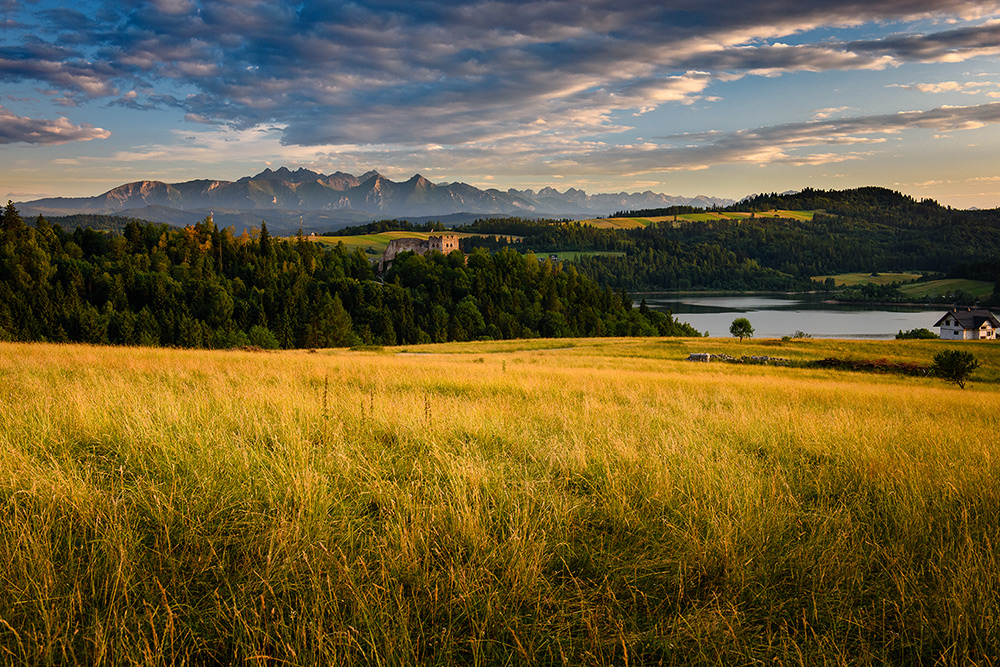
x=862 y=230
x=855 y=203
x=203 y=287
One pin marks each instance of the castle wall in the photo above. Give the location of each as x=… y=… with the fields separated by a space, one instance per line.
x=443 y=244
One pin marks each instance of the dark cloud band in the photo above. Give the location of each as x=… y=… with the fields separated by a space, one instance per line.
x=386 y=71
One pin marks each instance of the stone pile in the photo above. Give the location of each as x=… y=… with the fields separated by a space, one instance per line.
x=725 y=358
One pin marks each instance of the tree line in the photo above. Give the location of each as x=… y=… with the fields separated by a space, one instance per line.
x=862 y=230
x=201 y=286
x=382 y=226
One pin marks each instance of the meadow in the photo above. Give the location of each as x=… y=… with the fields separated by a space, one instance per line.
x=934 y=288
x=705 y=216
x=377 y=243
x=918 y=290
x=549 y=502
x=881 y=278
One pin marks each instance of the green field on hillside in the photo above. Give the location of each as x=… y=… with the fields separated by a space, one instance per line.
x=629 y=223
x=936 y=288
x=618 y=223
x=569 y=255
x=849 y=279
x=550 y=502
x=928 y=289
x=376 y=243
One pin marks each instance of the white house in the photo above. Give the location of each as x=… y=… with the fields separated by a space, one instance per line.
x=968 y=324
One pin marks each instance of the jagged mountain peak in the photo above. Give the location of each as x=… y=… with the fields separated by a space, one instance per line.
x=300 y=175
x=419 y=181
x=304 y=190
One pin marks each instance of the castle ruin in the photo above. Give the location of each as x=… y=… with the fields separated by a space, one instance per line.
x=443 y=244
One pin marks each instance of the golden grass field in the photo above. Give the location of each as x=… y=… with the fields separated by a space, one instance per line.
x=552 y=502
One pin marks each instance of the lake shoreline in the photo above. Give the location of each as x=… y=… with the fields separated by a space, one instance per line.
x=778 y=314
x=832 y=302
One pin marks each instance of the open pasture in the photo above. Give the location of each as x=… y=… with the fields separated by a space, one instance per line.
x=570 y=255
x=705 y=216
x=377 y=243
x=935 y=288
x=618 y=223
x=553 y=502
x=851 y=279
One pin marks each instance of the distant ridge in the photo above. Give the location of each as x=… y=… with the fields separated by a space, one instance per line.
x=325 y=201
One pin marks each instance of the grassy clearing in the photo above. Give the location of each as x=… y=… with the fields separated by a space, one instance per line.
x=572 y=254
x=850 y=279
x=629 y=223
x=918 y=290
x=376 y=242
x=619 y=223
x=514 y=502
x=935 y=288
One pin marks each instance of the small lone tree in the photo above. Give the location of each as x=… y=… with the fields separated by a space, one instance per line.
x=954 y=366
x=741 y=328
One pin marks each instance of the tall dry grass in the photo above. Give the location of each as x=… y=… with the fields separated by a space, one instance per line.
x=571 y=502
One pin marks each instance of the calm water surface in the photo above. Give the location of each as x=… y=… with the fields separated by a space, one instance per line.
x=776 y=315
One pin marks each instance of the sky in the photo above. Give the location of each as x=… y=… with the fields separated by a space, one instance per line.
x=685 y=97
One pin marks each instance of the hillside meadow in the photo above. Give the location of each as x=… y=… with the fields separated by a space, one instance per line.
x=375 y=243
x=911 y=287
x=705 y=216
x=549 y=502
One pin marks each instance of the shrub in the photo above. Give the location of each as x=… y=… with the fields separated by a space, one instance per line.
x=954 y=366
x=262 y=337
x=916 y=334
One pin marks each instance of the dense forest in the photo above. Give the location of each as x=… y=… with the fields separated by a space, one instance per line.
x=863 y=230
x=200 y=286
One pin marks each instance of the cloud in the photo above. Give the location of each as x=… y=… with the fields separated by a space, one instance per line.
x=56 y=66
x=474 y=73
x=823 y=114
x=968 y=87
x=948 y=46
x=780 y=143
x=20 y=129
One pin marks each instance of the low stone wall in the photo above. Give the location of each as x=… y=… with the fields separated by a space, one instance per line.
x=725 y=358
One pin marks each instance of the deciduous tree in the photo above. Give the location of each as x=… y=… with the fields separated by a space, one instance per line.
x=741 y=328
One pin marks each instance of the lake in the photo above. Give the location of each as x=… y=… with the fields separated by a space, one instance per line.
x=777 y=315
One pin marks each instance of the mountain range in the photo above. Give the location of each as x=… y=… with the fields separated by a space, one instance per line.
x=323 y=202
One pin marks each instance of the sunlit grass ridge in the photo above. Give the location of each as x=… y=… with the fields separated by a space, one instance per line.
x=591 y=502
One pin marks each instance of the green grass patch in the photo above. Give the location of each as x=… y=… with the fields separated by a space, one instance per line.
x=936 y=288
x=616 y=223
x=630 y=223
x=377 y=242
x=569 y=255
x=794 y=215
x=849 y=279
